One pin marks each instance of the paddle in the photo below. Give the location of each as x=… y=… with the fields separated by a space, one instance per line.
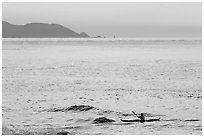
x=134 y=113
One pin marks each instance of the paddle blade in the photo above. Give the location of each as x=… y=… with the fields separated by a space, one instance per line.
x=134 y=113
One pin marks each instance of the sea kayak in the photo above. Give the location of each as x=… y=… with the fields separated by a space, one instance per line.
x=138 y=120
x=130 y=120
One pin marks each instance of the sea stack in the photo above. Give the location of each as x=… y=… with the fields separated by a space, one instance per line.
x=83 y=34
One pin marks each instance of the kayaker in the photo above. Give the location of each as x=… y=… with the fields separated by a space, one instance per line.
x=141 y=117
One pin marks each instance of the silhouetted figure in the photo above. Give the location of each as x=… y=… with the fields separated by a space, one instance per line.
x=141 y=116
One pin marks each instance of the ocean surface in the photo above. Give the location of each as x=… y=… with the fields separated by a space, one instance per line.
x=86 y=86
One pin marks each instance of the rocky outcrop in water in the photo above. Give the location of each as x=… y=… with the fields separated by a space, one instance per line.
x=83 y=34
x=102 y=120
x=63 y=133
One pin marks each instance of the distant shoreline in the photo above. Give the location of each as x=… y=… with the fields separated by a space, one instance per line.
x=39 y=30
x=119 y=38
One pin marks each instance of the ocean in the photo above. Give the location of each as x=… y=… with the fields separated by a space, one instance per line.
x=86 y=86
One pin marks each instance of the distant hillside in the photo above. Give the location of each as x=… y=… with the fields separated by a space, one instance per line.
x=38 y=30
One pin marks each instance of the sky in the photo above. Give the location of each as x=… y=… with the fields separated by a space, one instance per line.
x=122 y=19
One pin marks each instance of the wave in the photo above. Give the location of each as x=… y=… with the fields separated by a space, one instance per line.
x=73 y=108
x=98 y=111
x=90 y=116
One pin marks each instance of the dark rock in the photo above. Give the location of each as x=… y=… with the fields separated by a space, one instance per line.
x=63 y=133
x=102 y=120
x=83 y=34
x=98 y=37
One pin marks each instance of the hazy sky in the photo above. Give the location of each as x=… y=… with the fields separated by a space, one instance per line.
x=109 y=19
